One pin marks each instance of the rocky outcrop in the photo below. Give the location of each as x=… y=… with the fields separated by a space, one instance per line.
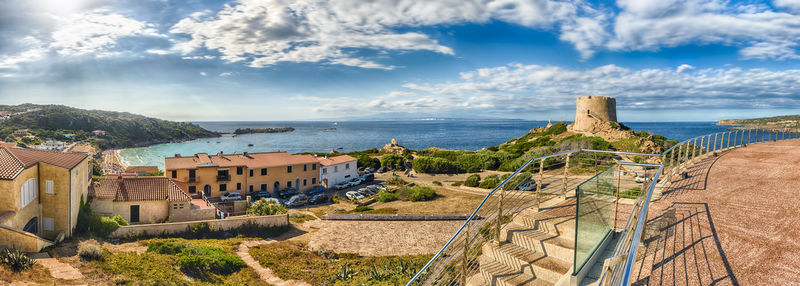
x=393 y=148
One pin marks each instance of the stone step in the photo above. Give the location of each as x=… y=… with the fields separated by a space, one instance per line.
x=535 y=264
x=563 y=226
x=498 y=274
x=538 y=241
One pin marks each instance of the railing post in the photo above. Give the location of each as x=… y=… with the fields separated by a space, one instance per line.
x=616 y=194
x=686 y=152
x=566 y=173
x=729 y=139
x=715 y=141
x=694 y=148
x=708 y=143
x=702 y=142
x=749 y=132
x=465 y=258
x=539 y=185
x=499 y=217
x=735 y=138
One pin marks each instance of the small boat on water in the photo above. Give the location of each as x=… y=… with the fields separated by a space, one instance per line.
x=329 y=129
x=249 y=145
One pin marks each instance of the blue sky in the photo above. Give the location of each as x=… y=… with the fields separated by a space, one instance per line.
x=664 y=60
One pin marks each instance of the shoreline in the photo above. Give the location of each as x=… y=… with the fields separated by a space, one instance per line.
x=113 y=162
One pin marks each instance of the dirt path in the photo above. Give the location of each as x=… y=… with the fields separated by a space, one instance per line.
x=60 y=270
x=264 y=273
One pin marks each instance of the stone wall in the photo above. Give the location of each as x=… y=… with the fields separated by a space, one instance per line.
x=219 y=224
x=590 y=110
x=184 y=211
x=21 y=240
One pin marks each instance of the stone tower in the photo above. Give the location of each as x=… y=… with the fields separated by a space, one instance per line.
x=590 y=110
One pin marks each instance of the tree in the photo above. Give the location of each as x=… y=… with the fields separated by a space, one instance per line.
x=473 y=180
x=393 y=162
x=368 y=162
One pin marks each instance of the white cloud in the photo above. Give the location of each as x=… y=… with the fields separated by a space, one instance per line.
x=157 y=52
x=203 y=73
x=96 y=31
x=789 y=4
x=778 y=50
x=225 y=74
x=515 y=90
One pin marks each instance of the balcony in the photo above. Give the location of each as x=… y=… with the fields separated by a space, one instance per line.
x=191 y=180
x=223 y=178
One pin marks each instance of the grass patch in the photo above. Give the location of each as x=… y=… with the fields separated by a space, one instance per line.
x=300 y=217
x=295 y=261
x=416 y=194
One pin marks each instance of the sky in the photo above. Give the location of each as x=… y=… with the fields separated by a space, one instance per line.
x=254 y=60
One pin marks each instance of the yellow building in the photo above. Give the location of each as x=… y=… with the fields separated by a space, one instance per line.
x=40 y=194
x=147 y=200
x=243 y=173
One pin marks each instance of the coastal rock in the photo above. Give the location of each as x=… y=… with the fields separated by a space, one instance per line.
x=393 y=147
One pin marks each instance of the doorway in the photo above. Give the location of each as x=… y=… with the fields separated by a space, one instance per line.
x=134 y=213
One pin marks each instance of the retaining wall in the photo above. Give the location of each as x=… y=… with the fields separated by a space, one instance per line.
x=216 y=224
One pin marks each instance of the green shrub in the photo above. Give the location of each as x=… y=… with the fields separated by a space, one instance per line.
x=164 y=247
x=102 y=226
x=368 y=162
x=90 y=250
x=434 y=165
x=266 y=207
x=457 y=183
x=362 y=208
x=198 y=261
x=393 y=162
x=490 y=182
x=386 y=196
x=120 y=221
x=473 y=180
x=199 y=230
x=396 y=181
x=15 y=259
x=417 y=193
x=437 y=183
x=556 y=128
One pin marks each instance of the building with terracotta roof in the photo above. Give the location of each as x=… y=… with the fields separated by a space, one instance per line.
x=141 y=170
x=244 y=173
x=98 y=133
x=146 y=200
x=40 y=194
x=337 y=169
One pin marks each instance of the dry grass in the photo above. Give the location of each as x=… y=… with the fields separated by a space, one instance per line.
x=37 y=274
x=446 y=202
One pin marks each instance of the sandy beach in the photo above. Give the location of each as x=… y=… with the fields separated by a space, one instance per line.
x=112 y=162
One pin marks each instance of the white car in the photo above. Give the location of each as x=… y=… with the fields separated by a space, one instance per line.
x=354 y=195
x=355 y=182
x=232 y=196
x=342 y=185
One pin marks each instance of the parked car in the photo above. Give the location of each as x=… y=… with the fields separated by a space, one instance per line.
x=258 y=195
x=369 y=170
x=527 y=185
x=355 y=182
x=373 y=188
x=232 y=196
x=354 y=195
x=277 y=201
x=364 y=191
x=381 y=170
x=383 y=187
x=297 y=200
x=315 y=190
x=288 y=193
x=342 y=185
x=368 y=177
x=319 y=199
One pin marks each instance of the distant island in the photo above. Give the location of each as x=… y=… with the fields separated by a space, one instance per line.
x=766 y=123
x=262 y=130
x=32 y=124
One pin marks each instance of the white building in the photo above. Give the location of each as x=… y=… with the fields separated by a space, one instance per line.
x=337 y=169
x=51 y=146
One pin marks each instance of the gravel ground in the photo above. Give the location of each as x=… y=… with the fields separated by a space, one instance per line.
x=383 y=238
x=734 y=221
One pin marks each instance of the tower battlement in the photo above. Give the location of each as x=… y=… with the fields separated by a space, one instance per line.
x=590 y=110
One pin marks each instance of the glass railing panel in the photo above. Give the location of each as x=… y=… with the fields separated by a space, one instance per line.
x=595 y=201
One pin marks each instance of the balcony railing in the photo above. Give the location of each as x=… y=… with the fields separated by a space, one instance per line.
x=223 y=178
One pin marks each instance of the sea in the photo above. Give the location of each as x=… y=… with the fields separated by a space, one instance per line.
x=346 y=136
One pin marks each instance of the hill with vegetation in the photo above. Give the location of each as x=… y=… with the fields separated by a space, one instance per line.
x=122 y=129
x=785 y=121
x=510 y=156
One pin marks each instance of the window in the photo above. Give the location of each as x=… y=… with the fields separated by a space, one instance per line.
x=174 y=174
x=313 y=181
x=288 y=184
x=314 y=166
x=347 y=166
x=304 y=182
x=288 y=169
x=324 y=171
x=263 y=171
x=251 y=172
x=192 y=189
x=223 y=187
x=238 y=186
x=28 y=192
x=251 y=188
x=192 y=174
x=239 y=170
x=335 y=169
x=48 y=224
x=49 y=185
x=263 y=187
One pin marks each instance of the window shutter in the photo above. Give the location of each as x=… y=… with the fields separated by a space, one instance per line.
x=49 y=184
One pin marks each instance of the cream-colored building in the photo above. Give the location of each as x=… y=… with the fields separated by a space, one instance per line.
x=40 y=194
x=337 y=169
x=142 y=200
x=244 y=173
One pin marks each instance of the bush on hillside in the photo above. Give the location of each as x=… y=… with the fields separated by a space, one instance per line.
x=368 y=162
x=473 y=180
x=457 y=183
x=165 y=247
x=386 y=196
x=417 y=193
x=90 y=250
x=266 y=207
x=490 y=182
x=393 y=162
x=362 y=209
x=396 y=181
x=120 y=221
x=199 y=261
x=434 y=165
x=437 y=183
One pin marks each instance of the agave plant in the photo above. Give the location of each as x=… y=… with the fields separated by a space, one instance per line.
x=377 y=275
x=16 y=260
x=345 y=273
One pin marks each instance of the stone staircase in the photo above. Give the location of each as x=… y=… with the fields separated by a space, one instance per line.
x=536 y=248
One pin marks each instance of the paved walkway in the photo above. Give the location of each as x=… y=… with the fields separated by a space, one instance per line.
x=383 y=238
x=734 y=221
x=59 y=270
x=264 y=273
